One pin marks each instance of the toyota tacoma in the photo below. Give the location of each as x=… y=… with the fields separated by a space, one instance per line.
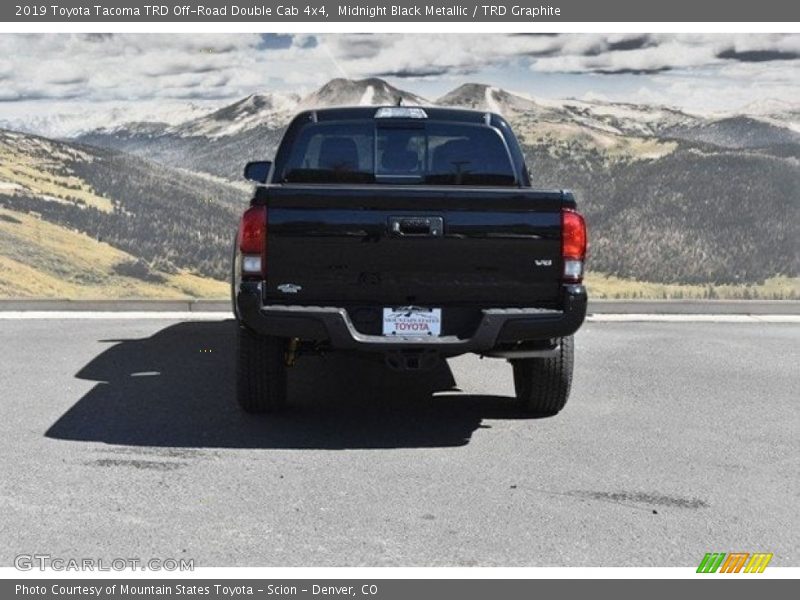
x=411 y=233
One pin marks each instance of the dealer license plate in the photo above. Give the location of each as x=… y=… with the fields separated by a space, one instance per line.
x=413 y=321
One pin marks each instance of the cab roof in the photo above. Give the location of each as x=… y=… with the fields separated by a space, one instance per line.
x=434 y=113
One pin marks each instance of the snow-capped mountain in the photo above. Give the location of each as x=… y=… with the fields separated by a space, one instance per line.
x=485 y=97
x=269 y=110
x=61 y=122
x=361 y=92
x=627 y=118
x=738 y=132
x=768 y=123
x=219 y=141
x=775 y=112
x=771 y=107
x=273 y=110
x=256 y=110
x=608 y=117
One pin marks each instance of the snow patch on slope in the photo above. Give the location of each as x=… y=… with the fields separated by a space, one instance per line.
x=369 y=95
x=491 y=103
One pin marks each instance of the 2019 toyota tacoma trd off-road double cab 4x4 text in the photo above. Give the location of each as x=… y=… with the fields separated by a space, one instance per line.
x=413 y=233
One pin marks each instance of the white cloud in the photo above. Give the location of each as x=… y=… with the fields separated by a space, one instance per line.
x=124 y=66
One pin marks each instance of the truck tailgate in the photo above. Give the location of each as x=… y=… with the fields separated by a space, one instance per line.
x=427 y=246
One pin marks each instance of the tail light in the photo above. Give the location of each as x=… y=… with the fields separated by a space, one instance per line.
x=573 y=244
x=253 y=241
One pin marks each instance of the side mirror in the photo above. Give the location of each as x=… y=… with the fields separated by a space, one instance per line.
x=257 y=171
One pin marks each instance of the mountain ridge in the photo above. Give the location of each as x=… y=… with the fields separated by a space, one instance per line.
x=671 y=197
x=274 y=110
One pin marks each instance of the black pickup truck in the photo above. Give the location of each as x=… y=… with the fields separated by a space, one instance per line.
x=411 y=233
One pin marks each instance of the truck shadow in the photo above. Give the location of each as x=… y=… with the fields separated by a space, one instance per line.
x=176 y=389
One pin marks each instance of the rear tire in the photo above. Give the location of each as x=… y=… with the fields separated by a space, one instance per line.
x=260 y=372
x=542 y=385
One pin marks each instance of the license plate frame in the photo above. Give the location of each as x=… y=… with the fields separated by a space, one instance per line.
x=412 y=321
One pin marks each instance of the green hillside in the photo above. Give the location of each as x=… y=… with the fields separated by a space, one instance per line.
x=154 y=231
x=43 y=260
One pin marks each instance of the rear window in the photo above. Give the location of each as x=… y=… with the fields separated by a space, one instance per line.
x=399 y=152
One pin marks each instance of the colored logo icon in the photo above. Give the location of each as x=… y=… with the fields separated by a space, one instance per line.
x=734 y=562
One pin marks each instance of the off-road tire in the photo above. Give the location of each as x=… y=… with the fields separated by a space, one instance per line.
x=260 y=372
x=542 y=385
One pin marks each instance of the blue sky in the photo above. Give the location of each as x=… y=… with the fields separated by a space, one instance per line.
x=43 y=76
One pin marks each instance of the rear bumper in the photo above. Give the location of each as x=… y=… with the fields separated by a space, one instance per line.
x=498 y=326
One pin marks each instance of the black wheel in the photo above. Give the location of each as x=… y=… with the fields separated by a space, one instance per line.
x=260 y=372
x=542 y=384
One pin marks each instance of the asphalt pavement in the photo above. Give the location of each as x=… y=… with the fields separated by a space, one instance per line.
x=121 y=438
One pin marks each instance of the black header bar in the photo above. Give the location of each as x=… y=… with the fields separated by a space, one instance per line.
x=322 y=11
